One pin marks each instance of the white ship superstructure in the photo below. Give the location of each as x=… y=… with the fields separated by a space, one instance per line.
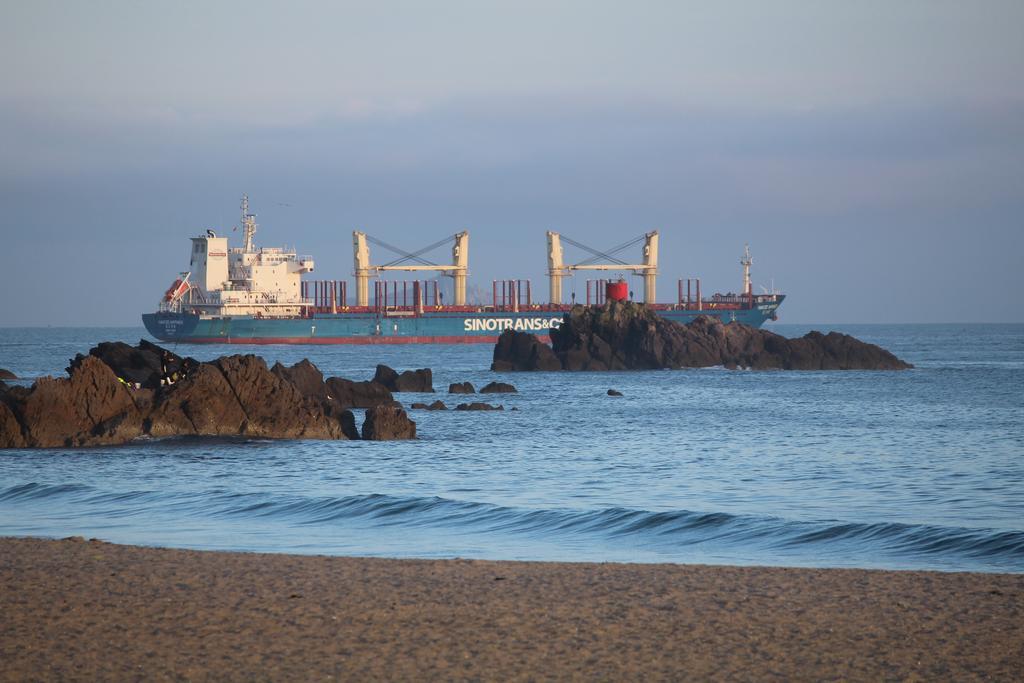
x=262 y=282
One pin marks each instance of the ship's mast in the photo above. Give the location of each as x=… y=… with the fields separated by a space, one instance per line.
x=248 y=224
x=746 y=261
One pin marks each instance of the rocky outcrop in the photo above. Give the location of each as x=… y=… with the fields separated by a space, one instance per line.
x=461 y=388
x=421 y=380
x=144 y=365
x=309 y=381
x=272 y=406
x=523 y=351
x=7 y=374
x=90 y=407
x=201 y=404
x=614 y=392
x=118 y=393
x=498 y=388
x=629 y=336
x=387 y=423
x=476 y=405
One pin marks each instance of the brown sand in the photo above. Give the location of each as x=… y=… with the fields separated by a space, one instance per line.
x=94 y=611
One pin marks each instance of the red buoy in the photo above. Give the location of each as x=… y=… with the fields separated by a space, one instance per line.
x=617 y=291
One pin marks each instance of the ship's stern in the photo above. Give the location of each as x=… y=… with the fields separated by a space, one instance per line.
x=167 y=326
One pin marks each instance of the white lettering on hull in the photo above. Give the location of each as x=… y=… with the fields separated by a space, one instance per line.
x=502 y=324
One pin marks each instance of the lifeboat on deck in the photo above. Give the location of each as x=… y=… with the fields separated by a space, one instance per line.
x=176 y=290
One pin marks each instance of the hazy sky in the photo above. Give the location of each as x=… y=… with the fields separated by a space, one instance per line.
x=872 y=154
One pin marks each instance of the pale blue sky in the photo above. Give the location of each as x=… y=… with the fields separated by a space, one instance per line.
x=871 y=153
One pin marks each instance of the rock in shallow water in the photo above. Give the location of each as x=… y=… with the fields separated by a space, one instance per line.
x=421 y=380
x=498 y=388
x=476 y=405
x=523 y=351
x=89 y=407
x=386 y=423
x=118 y=393
x=629 y=336
x=436 y=405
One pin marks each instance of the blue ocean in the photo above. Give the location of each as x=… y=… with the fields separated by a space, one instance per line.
x=922 y=469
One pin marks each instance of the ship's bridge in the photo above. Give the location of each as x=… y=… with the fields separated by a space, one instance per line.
x=248 y=279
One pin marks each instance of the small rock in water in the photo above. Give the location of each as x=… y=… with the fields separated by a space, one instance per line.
x=498 y=388
x=385 y=423
x=7 y=374
x=436 y=405
x=476 y=405
x=612 y=392
x=461 y=388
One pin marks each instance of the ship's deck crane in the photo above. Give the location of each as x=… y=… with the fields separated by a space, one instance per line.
x=557 y=269
x=409 y=261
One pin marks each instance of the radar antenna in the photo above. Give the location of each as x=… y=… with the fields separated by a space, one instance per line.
x=248 y=224
x=746 y=261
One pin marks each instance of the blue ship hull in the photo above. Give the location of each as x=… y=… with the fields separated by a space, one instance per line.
x=429 y=327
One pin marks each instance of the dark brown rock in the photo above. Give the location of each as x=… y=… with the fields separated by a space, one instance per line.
x=349 y=394
x=202 y=404
x=7 y=374
x=309 y=381
x=436 y=405
x=629 y=336
x=386 y=423
x=461 y=388
x=498 y=388
x=476 y=405
x=143 y=365
x=118 y=393
x=421 y=380
x=334 y=396
x=10 y=428
x=305 y=377
x=91 y=407
x=273 y=407
x=517 y=350
x=347 y=421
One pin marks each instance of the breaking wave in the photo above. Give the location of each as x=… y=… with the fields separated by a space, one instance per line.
x=670 y=534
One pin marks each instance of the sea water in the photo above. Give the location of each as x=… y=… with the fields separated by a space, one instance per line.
x=916 y=469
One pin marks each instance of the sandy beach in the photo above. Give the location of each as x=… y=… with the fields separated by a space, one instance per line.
x=88 y=610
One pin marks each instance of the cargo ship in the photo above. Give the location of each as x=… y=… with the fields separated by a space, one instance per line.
x=264 y=295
